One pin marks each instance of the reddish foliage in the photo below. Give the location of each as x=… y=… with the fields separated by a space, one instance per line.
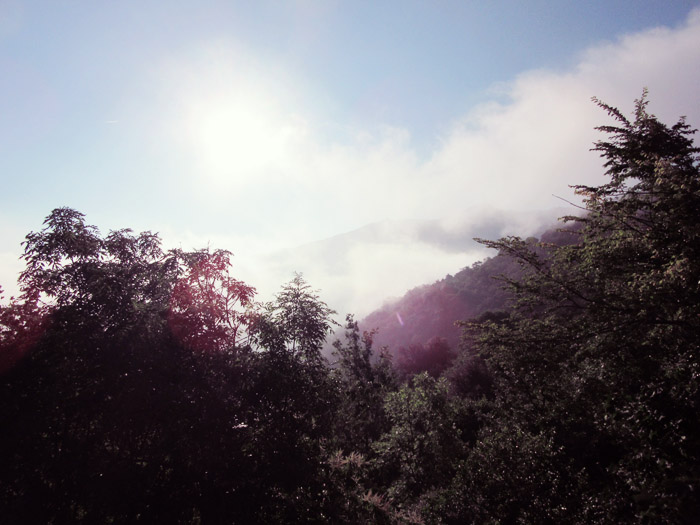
x=207 y=305
x=21 y=326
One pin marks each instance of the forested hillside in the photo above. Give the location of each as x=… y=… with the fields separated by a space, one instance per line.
x=144 y=385
x=432 y=310
x=421 y=329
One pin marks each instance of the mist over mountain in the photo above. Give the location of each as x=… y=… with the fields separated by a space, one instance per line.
x=432 y=310
x=359 y=270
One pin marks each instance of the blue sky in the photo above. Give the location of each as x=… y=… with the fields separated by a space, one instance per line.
x=266 y=127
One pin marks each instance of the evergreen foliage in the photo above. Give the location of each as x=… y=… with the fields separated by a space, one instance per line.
x=597 y=365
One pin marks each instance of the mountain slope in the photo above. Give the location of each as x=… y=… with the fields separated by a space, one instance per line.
x=431 y=310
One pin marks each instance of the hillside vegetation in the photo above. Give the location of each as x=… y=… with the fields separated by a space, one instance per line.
x=421 y=329
x=143 y=385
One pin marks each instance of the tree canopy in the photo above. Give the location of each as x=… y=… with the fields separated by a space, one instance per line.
x=597 y=364
x=139 y=384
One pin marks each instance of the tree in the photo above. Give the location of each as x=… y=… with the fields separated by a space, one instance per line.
x=363 y=383
x=22 y=323
x=598 y=362
x=433 y=357
x=108 y=417
x=208 y=306
x=297 y=320
x=93 y=283
x=423 y=445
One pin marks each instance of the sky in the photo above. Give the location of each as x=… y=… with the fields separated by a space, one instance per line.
x=362 y=143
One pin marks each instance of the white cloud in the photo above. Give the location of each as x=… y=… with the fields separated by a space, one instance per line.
x=247 y=125
x=515 y=155
x=255 y=143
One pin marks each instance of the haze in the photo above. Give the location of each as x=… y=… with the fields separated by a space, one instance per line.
x=272 y=128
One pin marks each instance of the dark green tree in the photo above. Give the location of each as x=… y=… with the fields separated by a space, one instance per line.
x=423 y=444
x=297 y=320
x=433 y=357
x=363 y=382
x=597 y=365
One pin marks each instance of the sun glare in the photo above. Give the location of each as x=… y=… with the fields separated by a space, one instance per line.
x=233 y=138
x=234 y=118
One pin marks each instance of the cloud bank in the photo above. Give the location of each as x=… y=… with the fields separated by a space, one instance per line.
x=504 y=160
x=269 y=171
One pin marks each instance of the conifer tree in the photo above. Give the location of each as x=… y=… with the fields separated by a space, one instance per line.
x=598 y=366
